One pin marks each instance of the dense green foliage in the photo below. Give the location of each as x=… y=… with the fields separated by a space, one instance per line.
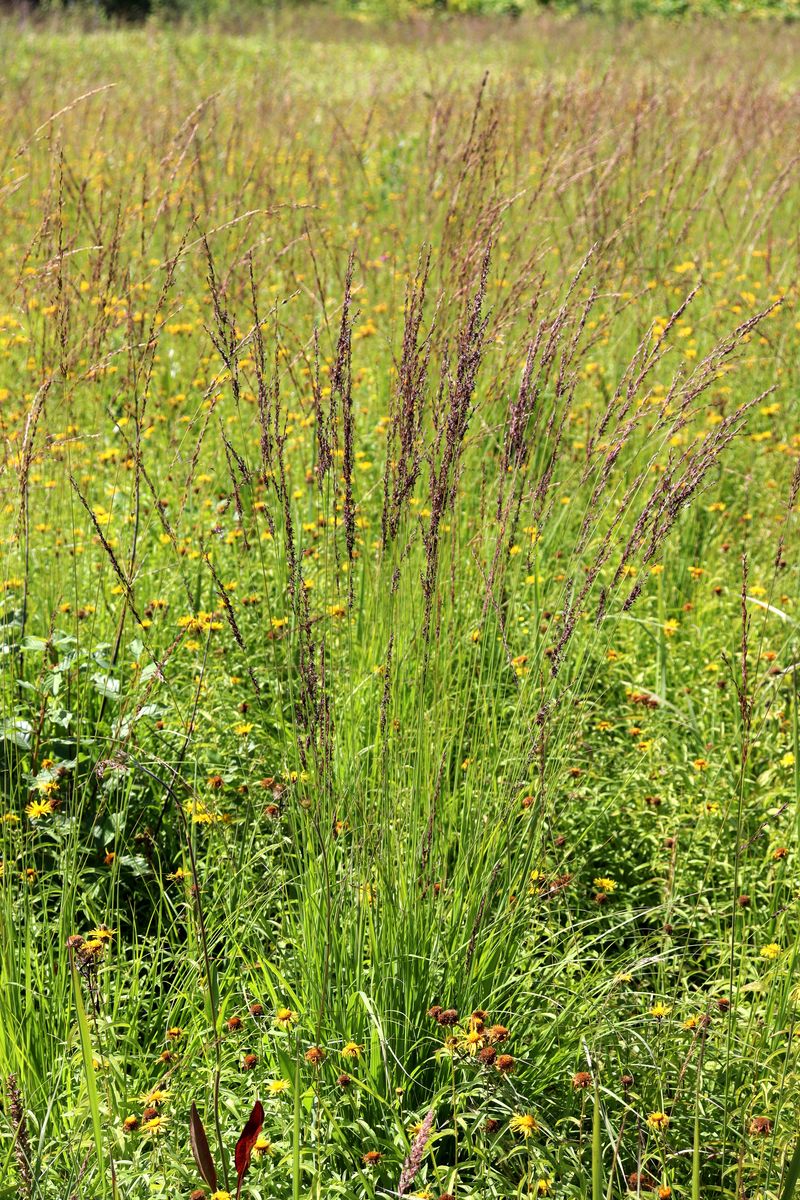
x=399 y=573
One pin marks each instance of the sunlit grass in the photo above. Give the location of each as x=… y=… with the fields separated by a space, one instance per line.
x=399 y=586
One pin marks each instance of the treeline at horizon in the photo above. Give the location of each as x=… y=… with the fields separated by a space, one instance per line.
x=200 y=10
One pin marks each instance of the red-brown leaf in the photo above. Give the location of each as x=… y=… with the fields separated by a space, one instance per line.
x=245 y=1144
x=200 y=1150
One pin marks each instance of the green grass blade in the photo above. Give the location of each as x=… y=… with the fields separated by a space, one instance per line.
x=88 y=1068
x=792 y=1175
x=597 y=1148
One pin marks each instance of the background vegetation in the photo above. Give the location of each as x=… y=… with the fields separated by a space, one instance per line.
x=399 y=609
x=249 y=12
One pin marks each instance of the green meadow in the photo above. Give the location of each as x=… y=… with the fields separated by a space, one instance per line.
x=399 y=606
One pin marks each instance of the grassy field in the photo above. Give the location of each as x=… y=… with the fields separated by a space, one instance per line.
x=399 y=597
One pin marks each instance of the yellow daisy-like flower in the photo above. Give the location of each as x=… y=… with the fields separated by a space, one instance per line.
x=770 y=951
x=200 y=813
x=202 y=623
x=659 y=1011
x=102 y=933
x=351 y=1050
x=276 y=1086
x=472 y=1042
x=525 y=1124
x=604 y=884
x=38 y=809
x=220 y=1196
x=154 y=1126
x=91 y=948
x=263 y=1147
x=285 y=1018
x=659 y=1121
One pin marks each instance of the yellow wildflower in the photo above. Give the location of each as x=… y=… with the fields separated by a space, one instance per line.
x=525 y=1124
x=38 y=809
